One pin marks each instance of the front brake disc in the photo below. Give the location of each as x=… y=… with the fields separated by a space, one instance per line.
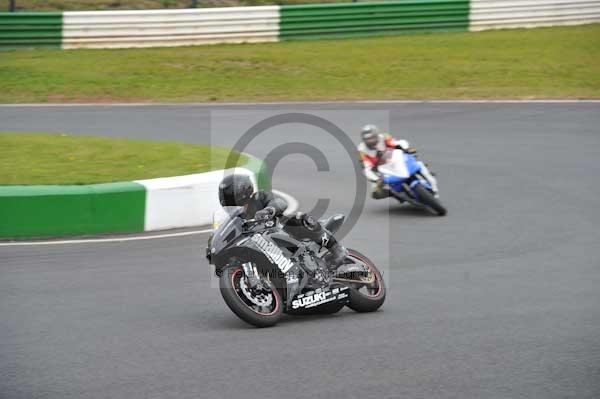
x=260 y=299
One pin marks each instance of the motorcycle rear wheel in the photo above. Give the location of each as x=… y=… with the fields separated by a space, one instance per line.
x=241 y=300
x=372 y=298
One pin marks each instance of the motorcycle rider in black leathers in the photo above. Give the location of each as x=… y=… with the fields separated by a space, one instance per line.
x=238 y=190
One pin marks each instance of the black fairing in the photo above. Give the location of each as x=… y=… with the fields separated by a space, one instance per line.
x=244 y=253
x=284 y=241
x=231 y=241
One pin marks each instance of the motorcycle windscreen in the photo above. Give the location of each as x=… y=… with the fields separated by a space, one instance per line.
x=223 y=214
x=226 y=227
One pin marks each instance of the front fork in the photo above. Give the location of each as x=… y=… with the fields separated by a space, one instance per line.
x=430 y=178
x=253 y=278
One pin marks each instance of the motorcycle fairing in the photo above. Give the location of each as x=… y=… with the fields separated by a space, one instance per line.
x=400 y=168
x=272 y=251
x=334 y=292
x=277 y=254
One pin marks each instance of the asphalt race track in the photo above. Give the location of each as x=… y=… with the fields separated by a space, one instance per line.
x=500 y=299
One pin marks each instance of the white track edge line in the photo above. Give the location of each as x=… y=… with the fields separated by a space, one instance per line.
x=292 y=207
x=101 y=240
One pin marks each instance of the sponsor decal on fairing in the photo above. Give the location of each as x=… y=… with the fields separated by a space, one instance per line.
x=272 y=252
x=319 y=298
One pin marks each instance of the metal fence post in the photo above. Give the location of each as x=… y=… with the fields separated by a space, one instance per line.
x=194 y=3
x=12 y=5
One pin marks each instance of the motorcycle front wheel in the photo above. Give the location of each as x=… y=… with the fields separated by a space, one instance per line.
x=431 y=202
x=260 y=308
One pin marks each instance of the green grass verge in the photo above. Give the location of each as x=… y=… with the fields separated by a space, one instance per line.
x=37 y=158
x=559 y=62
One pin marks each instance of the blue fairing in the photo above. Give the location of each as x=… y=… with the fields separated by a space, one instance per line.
x=412 y=165
x=391 y=179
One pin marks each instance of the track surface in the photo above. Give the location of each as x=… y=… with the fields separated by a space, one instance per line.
x=500 y=299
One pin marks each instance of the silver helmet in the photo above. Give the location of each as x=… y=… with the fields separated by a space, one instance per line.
x=370 y=135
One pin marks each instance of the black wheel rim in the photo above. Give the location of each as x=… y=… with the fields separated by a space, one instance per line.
x=370 y=286
x=253 y=299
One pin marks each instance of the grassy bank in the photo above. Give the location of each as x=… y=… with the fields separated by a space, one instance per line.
x=538 y=63
x=36 y=158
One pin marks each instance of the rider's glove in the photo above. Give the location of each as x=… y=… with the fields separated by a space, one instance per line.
x=265 y=214
x=372 y=174
x=408 y=150
x=376 y=171
x=405 y=146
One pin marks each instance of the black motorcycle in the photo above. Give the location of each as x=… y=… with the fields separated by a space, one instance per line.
x=264 y=272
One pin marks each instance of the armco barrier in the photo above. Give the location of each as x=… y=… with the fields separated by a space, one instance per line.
x=154 y=28
x=143 y=205
x=352 y=19
x=30 y=29
x=113 y=29
x=497 y=14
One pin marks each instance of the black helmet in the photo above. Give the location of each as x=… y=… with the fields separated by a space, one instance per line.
x=370 y=135
x=235 y=190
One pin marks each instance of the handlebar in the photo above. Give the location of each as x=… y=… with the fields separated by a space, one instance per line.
x=254 y=222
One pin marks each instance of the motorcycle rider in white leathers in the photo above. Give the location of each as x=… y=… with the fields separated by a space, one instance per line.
x=371 y=150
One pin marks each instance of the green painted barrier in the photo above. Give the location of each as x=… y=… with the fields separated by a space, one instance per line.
x=30 y=29
x=259 y=168
x=43 y=211
x=63 y=210
x=364 y=19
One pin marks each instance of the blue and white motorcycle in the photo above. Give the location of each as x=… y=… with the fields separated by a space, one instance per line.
x=409 y=180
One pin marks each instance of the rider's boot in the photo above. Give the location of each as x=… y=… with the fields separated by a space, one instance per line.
x=380 y=192
x=338 y=254
x=305 y=226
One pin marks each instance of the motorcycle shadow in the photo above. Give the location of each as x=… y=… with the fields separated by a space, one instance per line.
x=394 y=208
x=223 y=322
x=344 y=314
x=231 y=322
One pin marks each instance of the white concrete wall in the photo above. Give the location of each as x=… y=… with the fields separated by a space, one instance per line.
x=184 y=201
